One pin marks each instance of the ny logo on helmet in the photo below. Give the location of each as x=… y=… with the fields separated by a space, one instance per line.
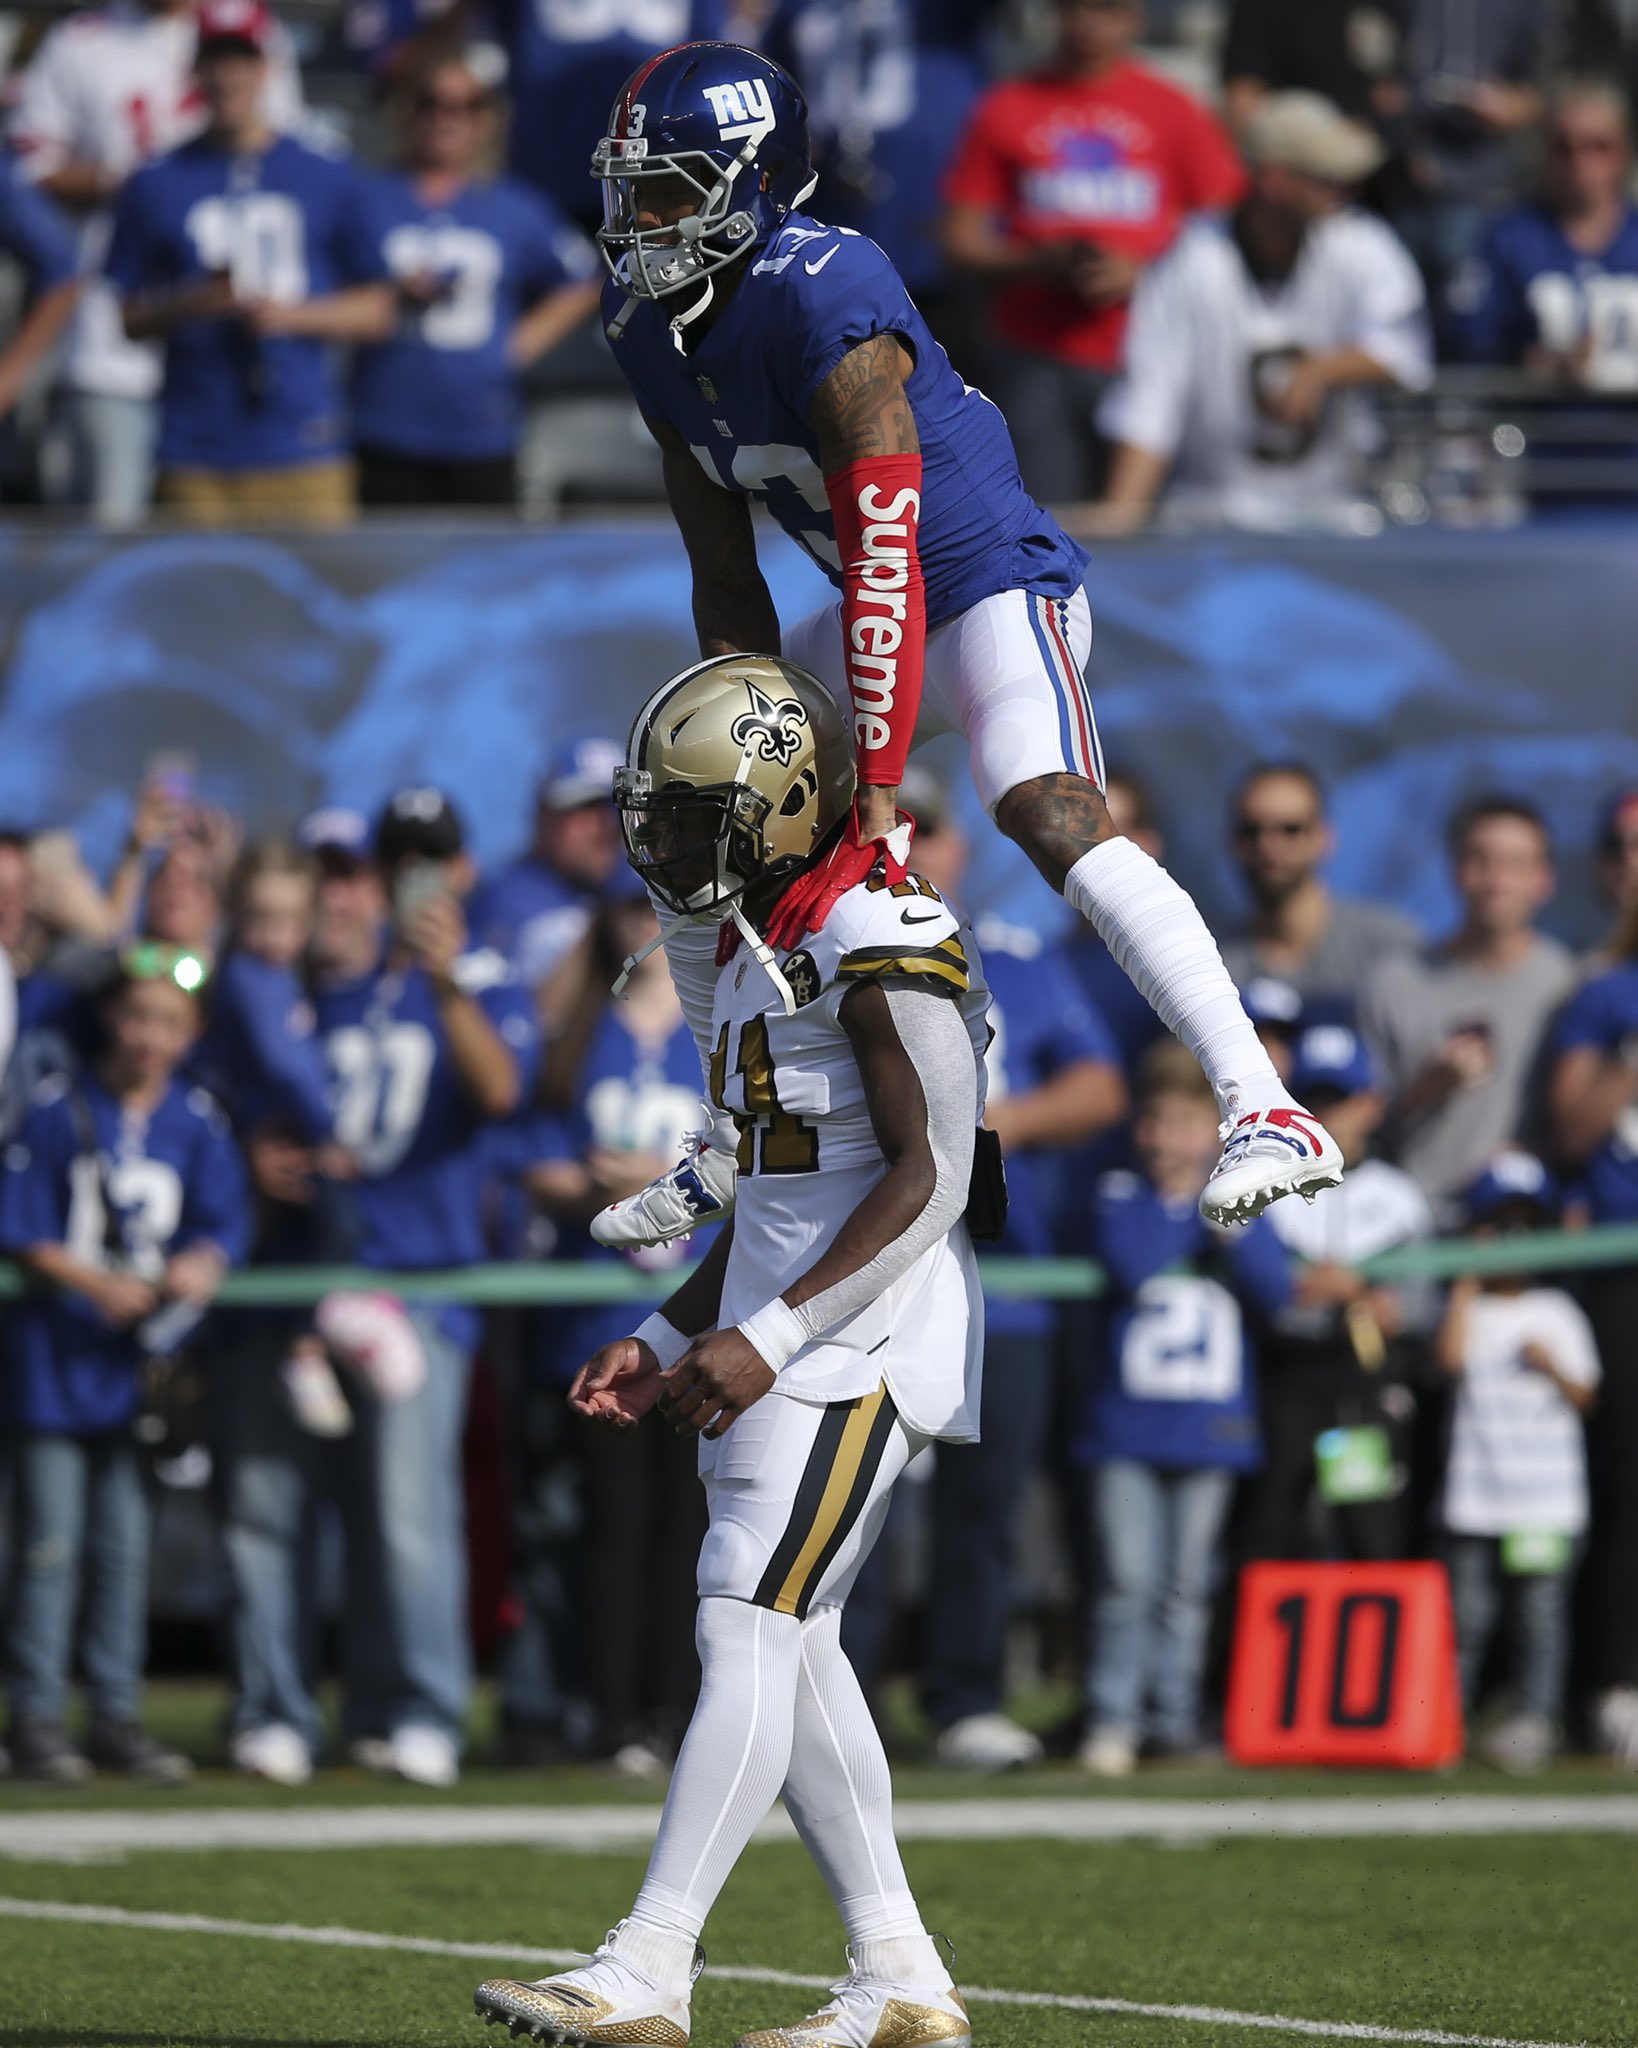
x=775 y=729
x=742 y=109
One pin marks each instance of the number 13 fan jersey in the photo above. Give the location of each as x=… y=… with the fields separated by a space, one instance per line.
x=808 y=1153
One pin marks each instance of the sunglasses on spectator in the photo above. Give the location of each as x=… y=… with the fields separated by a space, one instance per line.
x=1272 y=828
x=149 y=960
x=471 y=104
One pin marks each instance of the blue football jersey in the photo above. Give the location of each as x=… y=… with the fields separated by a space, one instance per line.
x=260 y=1055
x=1531 y=287
x=444 y=387
x=740 y=398
x=889 y=84
x=532 y=914
x=630 y=1097
x=1175 y=1381
x=400 y=1109
x=154 y=1186
x=569 y=59
x=1604 y=1016
x=287 y=225
x=1041 y=1024
x=32 y=230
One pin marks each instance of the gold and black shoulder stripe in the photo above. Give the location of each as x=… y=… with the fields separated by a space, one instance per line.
x=942 y=967
x=836 y=1482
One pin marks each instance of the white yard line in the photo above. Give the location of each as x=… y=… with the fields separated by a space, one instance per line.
x=555 y=1958
x=60 y=1837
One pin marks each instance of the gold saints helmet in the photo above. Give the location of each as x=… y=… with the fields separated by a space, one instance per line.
x=735 y=771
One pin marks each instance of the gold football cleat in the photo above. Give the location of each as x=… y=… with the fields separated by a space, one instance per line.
x=863 y=2015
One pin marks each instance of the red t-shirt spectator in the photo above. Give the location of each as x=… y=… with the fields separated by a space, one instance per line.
x=1118 y=160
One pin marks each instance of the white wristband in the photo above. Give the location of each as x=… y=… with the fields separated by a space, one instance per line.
x=662 y=1338
x=777 y=1333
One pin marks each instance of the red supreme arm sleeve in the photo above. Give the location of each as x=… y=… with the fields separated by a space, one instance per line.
x=876 y=504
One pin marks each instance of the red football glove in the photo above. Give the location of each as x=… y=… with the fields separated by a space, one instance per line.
x=812 y=897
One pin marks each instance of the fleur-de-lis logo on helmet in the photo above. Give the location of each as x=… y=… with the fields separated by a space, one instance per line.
x=774 y=727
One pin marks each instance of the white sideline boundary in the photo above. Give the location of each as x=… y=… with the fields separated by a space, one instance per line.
x=58 y=1837
x=553 y=1958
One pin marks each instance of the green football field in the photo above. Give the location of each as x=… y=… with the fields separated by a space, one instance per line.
x=1204 y=1918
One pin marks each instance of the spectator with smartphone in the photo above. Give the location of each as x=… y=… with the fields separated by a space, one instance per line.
x=1459 y=1026
x=1068 y=183
x=490 y=276
x=124 y=1196
x=426 y=1045
x=247 y=255
x=1514 y=1509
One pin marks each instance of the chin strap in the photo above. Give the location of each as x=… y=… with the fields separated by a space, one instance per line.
x=633 y=961
x=764 y=956
x=690 y=314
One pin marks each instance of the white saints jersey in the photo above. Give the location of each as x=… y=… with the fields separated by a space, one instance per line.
x=1209 y=346
x=115 y=89
x=808 y=1153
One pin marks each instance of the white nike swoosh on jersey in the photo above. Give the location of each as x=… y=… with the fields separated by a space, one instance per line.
x=813 y=269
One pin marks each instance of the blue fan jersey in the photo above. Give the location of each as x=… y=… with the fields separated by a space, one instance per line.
x=889 y=84
x=1604 y=1015
x=171 y=1179
x=287 y=225
x=400 y=1109
x=740 y=398
x=1531 y=287
x=629 y=1098
x=532 y=914
x=260 y=1055
x=1041 y=1024
x=1175 y=1385
x=33 y=231
x=569 y=59
x=444 y=387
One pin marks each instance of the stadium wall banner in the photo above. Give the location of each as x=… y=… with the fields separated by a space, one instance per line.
x=1413 y=671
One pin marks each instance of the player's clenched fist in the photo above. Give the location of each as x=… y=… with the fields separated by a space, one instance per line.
x=618 y=1384
x=717 y=1378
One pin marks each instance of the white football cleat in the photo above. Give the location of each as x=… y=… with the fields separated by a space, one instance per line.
x=1270 y=1153
x=865 y=2013
x=274 y=1751
x=605 y=2000
x=987 y=1742
x=421 y=1755
x=698 y=1190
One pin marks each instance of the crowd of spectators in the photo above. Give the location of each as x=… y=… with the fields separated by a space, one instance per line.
x=1182 y=248
x=349 y=1052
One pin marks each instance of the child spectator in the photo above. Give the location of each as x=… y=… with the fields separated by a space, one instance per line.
x=1339 y=1367
x=124 y=1194
x=1515 y=1500
x=491 y=277
x=1172 y=1415
x=622 y=1087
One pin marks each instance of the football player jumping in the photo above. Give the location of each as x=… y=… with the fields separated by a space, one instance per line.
x=835 y=1327
x=779 y=360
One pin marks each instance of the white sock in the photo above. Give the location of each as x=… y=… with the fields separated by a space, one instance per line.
x=840 y=1796
x=741 y=1731
x=691 y=954
x=662 y=1952
x=1160 y=939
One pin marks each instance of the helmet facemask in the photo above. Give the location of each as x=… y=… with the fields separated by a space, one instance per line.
x=656 y=262
x=694 y=849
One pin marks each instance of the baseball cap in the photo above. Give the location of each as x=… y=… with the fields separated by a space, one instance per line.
x=1333 y=1057
x=333 y=828
x=246 y=23
x=1270 y=1001
x=1511 y=1176
x=581 y=773
x=418 y=823
x=1305 y=132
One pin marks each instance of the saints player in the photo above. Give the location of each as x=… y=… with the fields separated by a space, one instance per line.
x=781 y=361
x=834 y=1329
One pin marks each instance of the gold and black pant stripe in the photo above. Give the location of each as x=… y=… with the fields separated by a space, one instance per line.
x=836 y=1483
x=942 y=967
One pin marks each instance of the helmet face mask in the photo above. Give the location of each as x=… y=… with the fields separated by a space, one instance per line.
x=707 y=152
x=736 y=772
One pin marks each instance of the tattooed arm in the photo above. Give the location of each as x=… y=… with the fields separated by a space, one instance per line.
x=733 y=610
x=862 y=408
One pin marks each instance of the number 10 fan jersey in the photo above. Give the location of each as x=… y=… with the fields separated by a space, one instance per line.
x=808 y=1153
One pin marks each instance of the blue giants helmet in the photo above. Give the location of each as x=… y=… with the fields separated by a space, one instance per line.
x=713 y=128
